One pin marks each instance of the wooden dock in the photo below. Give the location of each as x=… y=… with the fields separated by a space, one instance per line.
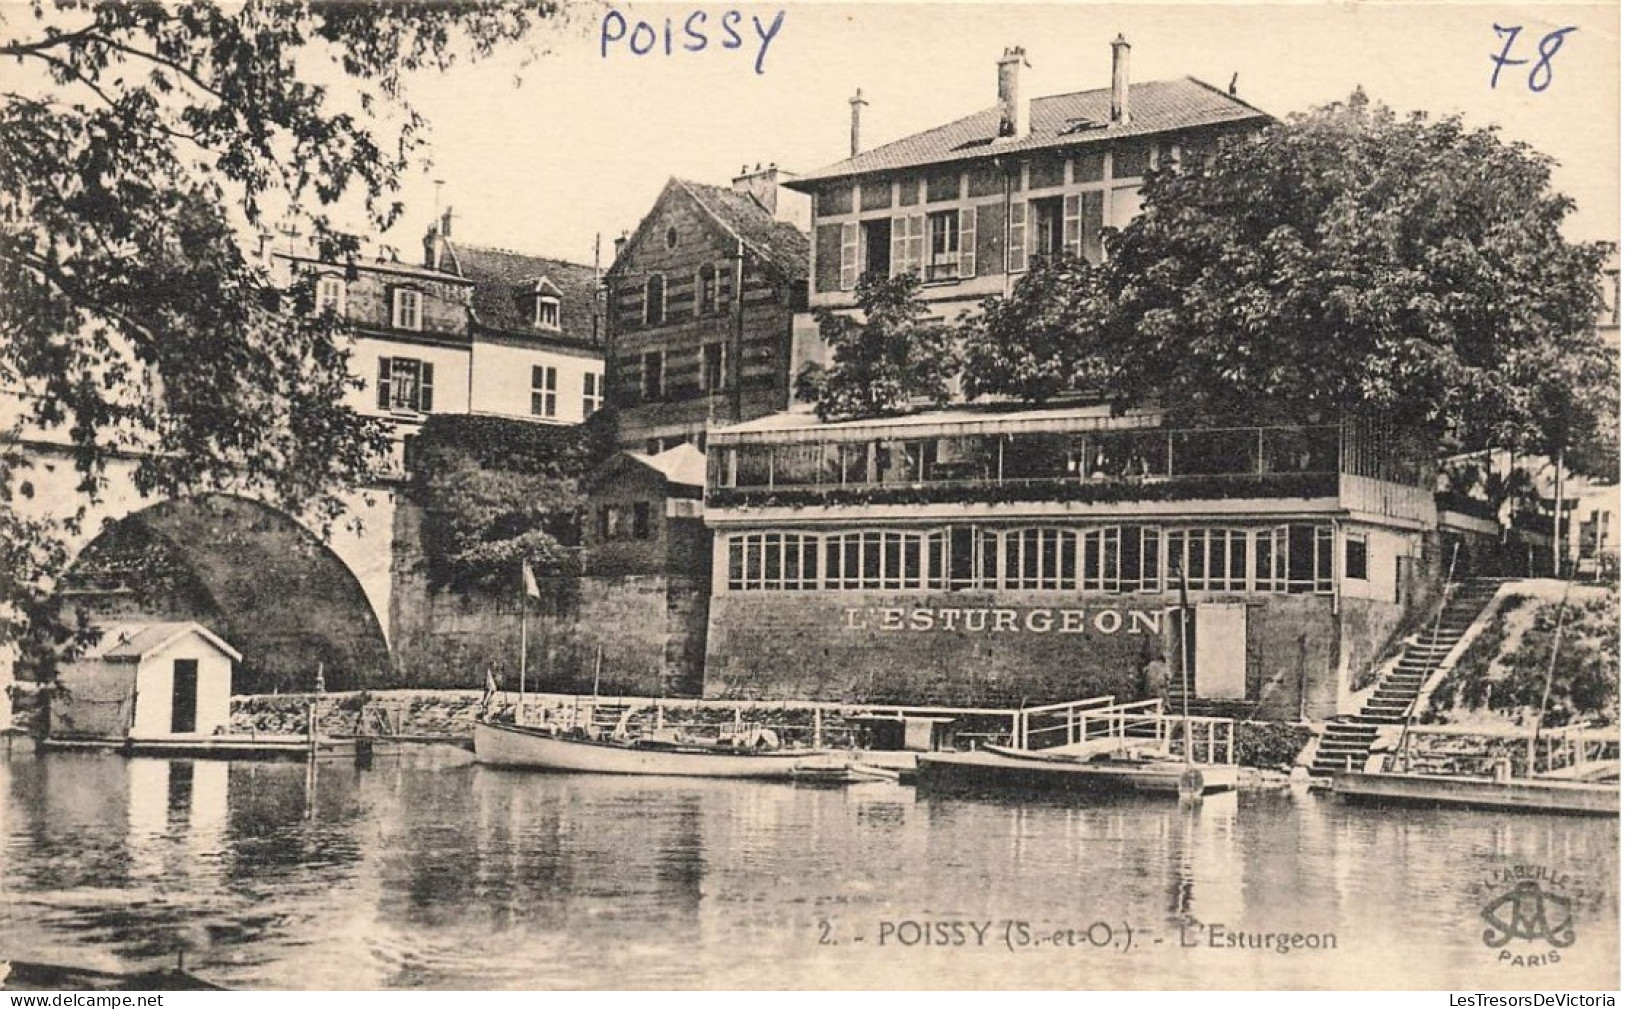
x=1522 y=795
x=256 y=747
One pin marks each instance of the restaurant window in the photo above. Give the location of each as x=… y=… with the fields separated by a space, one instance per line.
x=544 y=391
x=1040 y=559
x=405 y=385
x=1101 y=560
x=943 y=234
x=406 y=309
x=1356 y=562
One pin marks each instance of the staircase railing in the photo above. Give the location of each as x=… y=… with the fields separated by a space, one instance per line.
x=1403 y=749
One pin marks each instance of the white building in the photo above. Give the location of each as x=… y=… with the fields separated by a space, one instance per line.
x=146 y=682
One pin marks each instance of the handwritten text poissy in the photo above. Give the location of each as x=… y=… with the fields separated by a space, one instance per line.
x=696 y=33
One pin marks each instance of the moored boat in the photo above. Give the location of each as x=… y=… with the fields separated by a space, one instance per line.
x=503 y=745
x=1518 y=795
x=1007 y=768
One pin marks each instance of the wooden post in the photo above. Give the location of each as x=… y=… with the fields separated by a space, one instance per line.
x=818 y=728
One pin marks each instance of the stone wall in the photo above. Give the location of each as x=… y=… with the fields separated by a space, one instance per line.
x=1001 y=648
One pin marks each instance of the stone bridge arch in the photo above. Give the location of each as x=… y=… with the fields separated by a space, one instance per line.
x=253 y=573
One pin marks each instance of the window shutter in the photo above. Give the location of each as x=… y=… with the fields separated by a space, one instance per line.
x=967 y=242
x=426 y=388
x=1093 y=221
x=1070 y=226
x=916 y=242
x=1018 y=236
x=383 y=383
x=899 y=245
x=849 y=256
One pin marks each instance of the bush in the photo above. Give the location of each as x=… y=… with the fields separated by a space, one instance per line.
x=1272 y=745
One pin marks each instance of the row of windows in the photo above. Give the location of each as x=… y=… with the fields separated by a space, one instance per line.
x=942 y=245
x=1041 y=172
x=713 y=371
x=406 y=305
x=707 y=295
x=544 y=392
x=406 y=385
x=1145 y=453
x=1294 y=558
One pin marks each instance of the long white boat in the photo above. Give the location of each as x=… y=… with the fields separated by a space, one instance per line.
x=539 y=749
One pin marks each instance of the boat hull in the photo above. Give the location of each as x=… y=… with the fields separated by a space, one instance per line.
x=1036 y=773
x=1519 y=795
x=516 y=746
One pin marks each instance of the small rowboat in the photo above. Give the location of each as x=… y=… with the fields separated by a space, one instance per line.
x=540 y=749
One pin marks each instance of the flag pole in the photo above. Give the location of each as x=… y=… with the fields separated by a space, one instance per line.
x=524 y=640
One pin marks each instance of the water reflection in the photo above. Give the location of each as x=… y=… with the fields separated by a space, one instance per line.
x=450 y=875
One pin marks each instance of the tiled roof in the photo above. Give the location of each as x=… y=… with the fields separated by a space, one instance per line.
x=503 y=279
x=129 y=642
x=1056 y=121
x=779 y=242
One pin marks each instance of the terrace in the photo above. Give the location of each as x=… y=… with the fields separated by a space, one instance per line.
x=1065 y=455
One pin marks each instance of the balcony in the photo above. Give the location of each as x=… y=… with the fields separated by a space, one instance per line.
x=1093 y=466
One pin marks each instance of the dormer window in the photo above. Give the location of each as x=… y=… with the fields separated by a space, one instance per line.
x=406 y=308
x=330 y=294
x=547 y=312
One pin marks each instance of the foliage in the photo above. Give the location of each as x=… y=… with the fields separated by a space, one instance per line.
x=499 y=493
x=1348 y=260
x=140 y=145
x=896 y=356
x=1273 y=745
x=1505 y=673
x=1044 y=340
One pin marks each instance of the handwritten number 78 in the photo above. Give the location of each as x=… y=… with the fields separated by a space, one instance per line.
x=1540 y=75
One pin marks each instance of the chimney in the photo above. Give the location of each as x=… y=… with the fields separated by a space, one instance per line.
x=766 y=187
x=445 y=223
x=431 y=245
x=620 y=243
x=1120 y=48
x=1012 y=110
x=857 y=104
x=762 y=185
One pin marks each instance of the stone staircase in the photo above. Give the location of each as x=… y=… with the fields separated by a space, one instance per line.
x=1346 y=743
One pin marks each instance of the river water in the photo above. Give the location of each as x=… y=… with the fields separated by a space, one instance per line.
x=431 y=872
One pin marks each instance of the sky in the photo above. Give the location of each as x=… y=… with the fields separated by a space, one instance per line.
x=582 y=144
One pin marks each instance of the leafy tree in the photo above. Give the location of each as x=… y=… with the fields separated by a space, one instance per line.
x=500 y=493
x=1347 y=260
x=895 y=356
x=1045 y=339
x=140 y=144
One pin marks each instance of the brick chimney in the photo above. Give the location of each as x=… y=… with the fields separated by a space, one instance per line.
x=1120 y=48
x=765 y=186
x=857 y=103
x=1012 y=110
